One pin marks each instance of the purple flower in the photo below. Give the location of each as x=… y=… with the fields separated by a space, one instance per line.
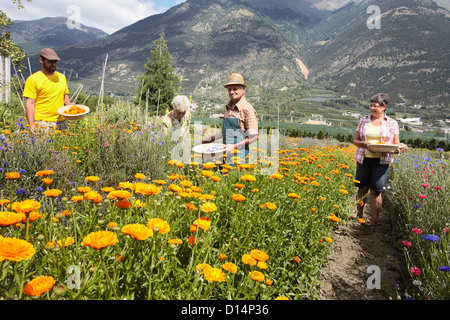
x=445 y=268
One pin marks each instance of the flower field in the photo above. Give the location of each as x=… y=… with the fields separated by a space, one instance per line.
x=102 y=211
x=420 y=195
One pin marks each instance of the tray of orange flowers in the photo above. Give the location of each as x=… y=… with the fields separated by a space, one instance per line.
x=73 y=112
x=384 y=147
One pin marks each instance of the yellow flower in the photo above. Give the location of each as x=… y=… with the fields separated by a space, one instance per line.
x=39 y=285
x=277 y=176
x=207 y=173
x=77 y=198
x=208 y=165
x=343 y=191
x=248 y=178
x=112 y=224
x=139 y=176
x=158 y=225
x=137 y=231
x=202 y=223
x=208 y=207
x=44 y=173
x=261 y=265
x=247 y=259
x=26 y=206
x=52 y=193
x=259 y=255
x=175 y=241
x=119 y=194
x=256 y=276
x=146 y=189
x=66 y=241
x=293 y=195
x=107 y=189
x=186 y=183
x=47 y=181
x=175 y=188
x=214 y=275
x=13 y=249
x=100 y=239
x=271 y=205
x=83 y=189
x=269 y=282
x=238 y=197
x=12 y=175
x=92 y=178
x=93 y=195
x=126 y=185
x=8 y=218
x=282 y=298
x=230 y=267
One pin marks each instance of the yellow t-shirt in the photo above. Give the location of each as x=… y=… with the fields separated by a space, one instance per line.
x=49 y=92
x=373 y=136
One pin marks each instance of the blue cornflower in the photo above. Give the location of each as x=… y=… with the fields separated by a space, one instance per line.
x=439 y=149
x=162 y=142
x=21 y=191
x=416 y=206
x=2 y=138
x=22 y=171
x=39 y=189
x=431 y=237
x=5 y=163
x=444 y=268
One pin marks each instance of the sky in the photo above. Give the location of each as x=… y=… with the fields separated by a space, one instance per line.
x=113 y=15
x=107 y=15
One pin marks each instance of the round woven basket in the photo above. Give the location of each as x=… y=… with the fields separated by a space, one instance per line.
x=73 y=116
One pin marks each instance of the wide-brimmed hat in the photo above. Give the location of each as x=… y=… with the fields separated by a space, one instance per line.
x=236 y=78
x=49 y=54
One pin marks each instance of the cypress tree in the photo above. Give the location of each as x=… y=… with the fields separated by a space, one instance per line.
x=159 y=79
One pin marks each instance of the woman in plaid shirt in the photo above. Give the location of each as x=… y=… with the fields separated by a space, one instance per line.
x=372 y=167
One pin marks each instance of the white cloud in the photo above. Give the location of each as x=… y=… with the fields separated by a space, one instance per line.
x=107 y=15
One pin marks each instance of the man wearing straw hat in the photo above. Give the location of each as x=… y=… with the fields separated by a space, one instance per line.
x=240 y=122
x=46 y=91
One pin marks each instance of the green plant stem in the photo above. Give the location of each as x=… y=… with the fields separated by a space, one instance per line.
x=106 y=273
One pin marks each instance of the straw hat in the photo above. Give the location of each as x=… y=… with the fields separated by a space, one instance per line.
x=236 y=78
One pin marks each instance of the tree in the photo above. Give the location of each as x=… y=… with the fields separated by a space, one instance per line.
x=7 y=47
x=159 y=80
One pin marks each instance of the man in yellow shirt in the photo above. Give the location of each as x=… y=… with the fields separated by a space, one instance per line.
x=46 y=91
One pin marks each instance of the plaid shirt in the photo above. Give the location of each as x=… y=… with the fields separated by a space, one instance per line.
x=389 y=128
x=246 y=114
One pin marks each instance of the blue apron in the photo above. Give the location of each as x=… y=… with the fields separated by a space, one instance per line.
x=231 y=134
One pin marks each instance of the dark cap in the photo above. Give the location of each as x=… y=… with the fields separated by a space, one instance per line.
x=49 y=54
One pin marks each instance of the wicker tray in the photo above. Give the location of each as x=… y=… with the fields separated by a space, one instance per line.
x=384 y=148
x=73 y=116
x=209 y=148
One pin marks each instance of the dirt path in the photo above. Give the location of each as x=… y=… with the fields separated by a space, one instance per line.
x=355 y=249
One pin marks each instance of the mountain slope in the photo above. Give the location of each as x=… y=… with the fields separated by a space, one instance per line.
x=50 y=32
x=407 y=57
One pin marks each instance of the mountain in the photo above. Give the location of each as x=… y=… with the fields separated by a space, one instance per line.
x=51 y=32
x=283 y=46
x=407 y=56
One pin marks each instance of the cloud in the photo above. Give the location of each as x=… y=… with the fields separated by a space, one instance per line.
x=107 y=15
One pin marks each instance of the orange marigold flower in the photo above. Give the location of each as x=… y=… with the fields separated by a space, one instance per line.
x=84 y=189
x=26 y=206
x=191 y=240
x=13 y=249
x=208 y=207
x=112 y=224
x=52 y=193
x=208 y=165
x=277 y=176
x=259 y=255
x=222 y=256
x=65 y=241
x=32 y=216
x=137 y=231
x=100 y=239
x=239 y=186
x=334 y=218
x=293 y=195
x=120 y=194
x=123 y=204
x=230 y=267
x=175 y=241
x=257 y=276
x=207 y=173
x=92 y=178
x=191 y=206
x=269 y=282
x=44 y=173
x=271 y=205
x=4 y=201
x=12 y=175
x=77 y=198
x=39 y=285
x=296 y=259
x=126 y=185
x=186 y=183
x=214 y=275
x=8 y=218
x=238 y=197
x=146 y=189
x=248 y=178
x=158 y=225
x=107 y=189
x=247 y=259
x=175 y=188
x=202 y=223
x=47 y=181
x=140 y=176
x=202 y=267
